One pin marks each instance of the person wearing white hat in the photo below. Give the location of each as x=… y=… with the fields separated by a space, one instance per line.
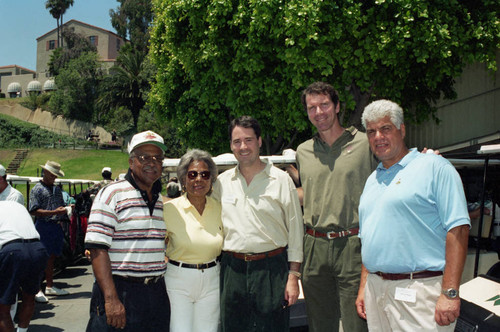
x=125 y=237
x=106 y=179
x=47 y=205
x=7 y=193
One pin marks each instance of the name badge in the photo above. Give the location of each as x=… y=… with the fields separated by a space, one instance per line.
x=406 y=295
x=229 y=199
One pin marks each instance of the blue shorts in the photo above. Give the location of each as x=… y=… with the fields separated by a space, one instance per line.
x=51 y=236
x=21 y=266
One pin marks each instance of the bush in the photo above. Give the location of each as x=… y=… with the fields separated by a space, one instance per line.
x=34 y=101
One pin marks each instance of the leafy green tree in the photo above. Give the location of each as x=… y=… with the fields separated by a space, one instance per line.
x=77 y=88
x=76 y=44
x=132 y=20
x=220 y=59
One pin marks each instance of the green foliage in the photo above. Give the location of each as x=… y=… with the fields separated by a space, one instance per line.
x=151 y=121
x=17 y=133
x=119 y=119
x=127 y=84
x=132 y=20
x=77 y=88
x=220 y=59
x=34 y=101
x=76 y=45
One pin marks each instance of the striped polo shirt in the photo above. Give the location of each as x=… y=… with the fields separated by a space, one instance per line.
x=133 y=232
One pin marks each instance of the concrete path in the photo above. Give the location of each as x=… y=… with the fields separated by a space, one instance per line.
x=70 y=312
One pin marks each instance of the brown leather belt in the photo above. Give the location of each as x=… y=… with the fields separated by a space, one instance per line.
x=413 y=275
x=256 y=257
x=332 y=235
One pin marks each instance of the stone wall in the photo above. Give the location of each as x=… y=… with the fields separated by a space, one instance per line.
x=53 y=123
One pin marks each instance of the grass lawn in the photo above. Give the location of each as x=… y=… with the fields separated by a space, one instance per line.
x=76 y=164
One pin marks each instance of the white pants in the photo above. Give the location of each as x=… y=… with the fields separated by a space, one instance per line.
x=385 y=313
x=194 y=298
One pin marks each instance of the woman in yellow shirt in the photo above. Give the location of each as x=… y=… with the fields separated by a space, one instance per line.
x=194 y=234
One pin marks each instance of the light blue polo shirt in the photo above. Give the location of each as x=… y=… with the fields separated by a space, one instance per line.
x=406 y=211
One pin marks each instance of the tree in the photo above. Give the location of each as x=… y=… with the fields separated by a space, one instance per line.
x=77 y=88
x=57 y=8
x=76 y=45
x=127 y=84
x=219 y=59
x=132 y=20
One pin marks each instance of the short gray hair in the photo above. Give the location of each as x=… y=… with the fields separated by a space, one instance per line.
x=382 y=108
x=196 y=155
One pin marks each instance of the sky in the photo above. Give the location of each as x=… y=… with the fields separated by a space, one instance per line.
x=23 y=21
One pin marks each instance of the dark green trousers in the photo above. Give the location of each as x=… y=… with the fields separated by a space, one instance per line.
x=252 y=294
x=330 y=279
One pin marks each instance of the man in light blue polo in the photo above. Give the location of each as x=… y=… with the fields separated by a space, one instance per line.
x=414 y=228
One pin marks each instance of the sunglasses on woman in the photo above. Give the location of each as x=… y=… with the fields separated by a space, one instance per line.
x=205 y=175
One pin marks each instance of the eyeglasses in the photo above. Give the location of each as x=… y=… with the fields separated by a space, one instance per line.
x=205 y=175
x=145 y=159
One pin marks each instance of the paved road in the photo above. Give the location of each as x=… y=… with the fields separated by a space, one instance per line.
x=70 y=312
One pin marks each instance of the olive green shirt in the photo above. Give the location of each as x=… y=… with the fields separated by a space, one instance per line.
x=333 y=179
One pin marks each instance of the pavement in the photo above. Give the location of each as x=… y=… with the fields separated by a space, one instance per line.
x=69 y=312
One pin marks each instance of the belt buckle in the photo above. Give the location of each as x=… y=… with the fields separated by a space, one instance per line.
x=149 y=280
x=331 y=235
x=247 y=257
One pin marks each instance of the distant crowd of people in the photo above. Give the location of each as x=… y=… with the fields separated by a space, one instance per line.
x=364 y=222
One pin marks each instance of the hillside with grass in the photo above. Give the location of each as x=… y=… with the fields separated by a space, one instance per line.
x=76 y=164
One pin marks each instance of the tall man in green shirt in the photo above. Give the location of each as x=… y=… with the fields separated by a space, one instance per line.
x=333 y=167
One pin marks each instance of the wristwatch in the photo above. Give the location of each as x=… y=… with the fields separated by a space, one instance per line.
x=451 y=293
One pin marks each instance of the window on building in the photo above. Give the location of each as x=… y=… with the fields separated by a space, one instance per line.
x=93 y=40
x=118 y=44
x=52 y=44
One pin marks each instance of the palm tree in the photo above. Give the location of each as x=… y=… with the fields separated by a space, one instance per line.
x=57 y=8
x=128 y=83
x=65 y=4
x=54 y=7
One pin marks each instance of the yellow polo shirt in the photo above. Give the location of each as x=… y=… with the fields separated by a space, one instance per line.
x=193 y=238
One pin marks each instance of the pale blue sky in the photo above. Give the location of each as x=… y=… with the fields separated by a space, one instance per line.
x=23 y=21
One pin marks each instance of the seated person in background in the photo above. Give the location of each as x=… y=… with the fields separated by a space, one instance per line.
x=174 y=189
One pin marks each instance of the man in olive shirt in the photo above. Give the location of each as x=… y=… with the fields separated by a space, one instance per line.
x=333 y=167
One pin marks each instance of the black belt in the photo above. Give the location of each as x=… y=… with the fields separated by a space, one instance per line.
x=413 y=275
x=193 y=266
x=140 y=280
x=332 y=235
x=20 y=241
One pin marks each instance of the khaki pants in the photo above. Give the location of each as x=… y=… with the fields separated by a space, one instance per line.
x=385 y=313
